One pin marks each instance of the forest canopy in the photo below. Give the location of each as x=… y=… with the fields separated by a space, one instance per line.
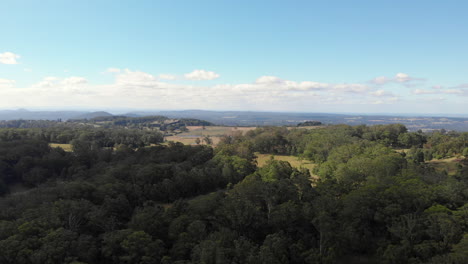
x=122 y=196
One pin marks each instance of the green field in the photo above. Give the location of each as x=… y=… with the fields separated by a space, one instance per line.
x=293 y=160
x=449 y=165
x=214 y=132
x=66 y=147
x=189 y=137
x=402 y=150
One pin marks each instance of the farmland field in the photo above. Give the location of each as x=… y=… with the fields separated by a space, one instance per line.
x=450 y=165
x=214 y=132
x=293 y=160
x=66 y=147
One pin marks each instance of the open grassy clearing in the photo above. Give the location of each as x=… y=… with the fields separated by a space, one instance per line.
x=402 y=150
x=450 y=165
x=293 y=160
x=214 y=132
x=217 y=130
x=189 y=137
x=66 y=147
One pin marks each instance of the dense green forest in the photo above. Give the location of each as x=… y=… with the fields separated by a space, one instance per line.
x=121 y=197
x=159 y=123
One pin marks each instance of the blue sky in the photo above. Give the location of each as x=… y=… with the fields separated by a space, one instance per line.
x=301 y=56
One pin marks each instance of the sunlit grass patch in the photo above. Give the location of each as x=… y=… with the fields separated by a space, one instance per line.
x=450 y=165
x=66 y=147
x=295 y=162
x=214 y=132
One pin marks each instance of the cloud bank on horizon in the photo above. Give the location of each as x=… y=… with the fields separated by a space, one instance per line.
x=142 y=90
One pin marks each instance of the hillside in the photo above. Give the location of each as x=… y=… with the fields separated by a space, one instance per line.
x=250 y=118
x=39 y=115
x=161 y=123
x=93 y=115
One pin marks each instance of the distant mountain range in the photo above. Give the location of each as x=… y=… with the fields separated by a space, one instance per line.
x=241 y=118
x=249 y=118
x=93 y=115
x=48 y=115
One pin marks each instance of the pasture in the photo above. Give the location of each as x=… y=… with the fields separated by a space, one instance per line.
x=450 y=165
x=66 y=147
x=214 y=132
x=295 y=162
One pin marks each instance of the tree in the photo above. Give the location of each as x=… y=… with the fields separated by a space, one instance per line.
x=208 y=140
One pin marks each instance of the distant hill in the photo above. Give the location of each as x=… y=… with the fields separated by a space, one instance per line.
x=244 y=118
x=49 y=115
x=38 y=115
x=94 y=115
x=249 y=118
x=162 y=123
x=309 y=123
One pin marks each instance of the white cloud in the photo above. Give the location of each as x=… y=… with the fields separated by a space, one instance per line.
x=135 y=78
x=46 y=82
x=113 y=70
x=380 y=80
x=382 y=93
x=9 y=58
x=313 y=85
x=74 y=81
x=423 y=91
x=5 y=83
x=462 y=86
x=351 y=87
x=54 y=86
x=167 y=77
x=378 y=93
x=51 y=78
x=455 y=91
x=436 y=99
x=137 y=89
x=462 y=92
x=402 y=77
x=385 y=100
x=143 y=90
x=276 y=83
x=269 y=80
x=198 y=75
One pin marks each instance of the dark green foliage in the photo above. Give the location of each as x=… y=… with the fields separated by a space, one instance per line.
x=162 y=123
x=115 y=199
x=309 y=123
